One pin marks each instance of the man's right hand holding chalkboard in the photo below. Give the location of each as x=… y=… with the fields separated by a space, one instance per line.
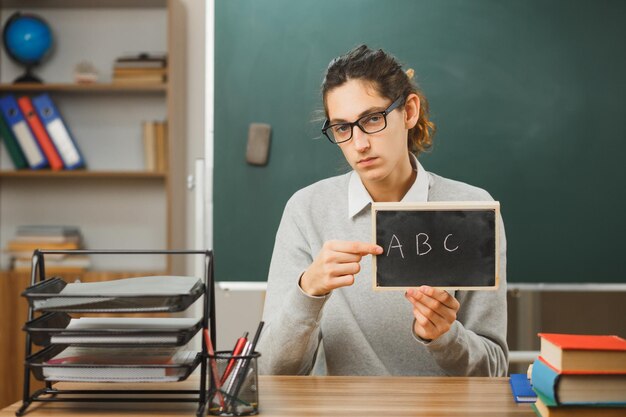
x=335 y=266
x=434 y=311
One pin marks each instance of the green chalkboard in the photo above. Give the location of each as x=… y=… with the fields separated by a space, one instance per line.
x=529 y=98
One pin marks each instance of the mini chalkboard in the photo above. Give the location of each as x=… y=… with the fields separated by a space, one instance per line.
x=451 y=245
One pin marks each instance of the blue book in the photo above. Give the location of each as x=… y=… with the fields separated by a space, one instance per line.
x=522 y=391
x=25 y=138
x=58 y=132
x=578 y=388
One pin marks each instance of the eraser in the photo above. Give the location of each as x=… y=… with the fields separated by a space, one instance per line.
x=257 y=151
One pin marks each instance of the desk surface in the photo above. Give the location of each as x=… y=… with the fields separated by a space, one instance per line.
x=282 y=396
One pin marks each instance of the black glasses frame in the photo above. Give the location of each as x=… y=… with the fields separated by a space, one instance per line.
x=396 y=103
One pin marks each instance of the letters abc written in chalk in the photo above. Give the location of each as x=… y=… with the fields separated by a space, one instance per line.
x=422 y=245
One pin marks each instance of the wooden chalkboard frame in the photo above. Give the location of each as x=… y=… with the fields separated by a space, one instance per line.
x=440 y=206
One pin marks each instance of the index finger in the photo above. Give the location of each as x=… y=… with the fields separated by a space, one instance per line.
x=361 y=248
x=441 y=295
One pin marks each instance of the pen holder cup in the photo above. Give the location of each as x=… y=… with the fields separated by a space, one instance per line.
x=237 y=393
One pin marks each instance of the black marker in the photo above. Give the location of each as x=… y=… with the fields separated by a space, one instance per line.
x=241 y=375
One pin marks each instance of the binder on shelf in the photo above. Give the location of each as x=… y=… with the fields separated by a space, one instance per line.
x=29 y=145
x=45 y=143
x=58 y=132
x=13 y=147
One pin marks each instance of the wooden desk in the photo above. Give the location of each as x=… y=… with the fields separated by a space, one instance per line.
x=296 y=396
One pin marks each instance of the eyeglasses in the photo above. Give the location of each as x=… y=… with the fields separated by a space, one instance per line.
x=370 y=123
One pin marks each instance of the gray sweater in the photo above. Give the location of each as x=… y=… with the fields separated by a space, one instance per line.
x=355 y=330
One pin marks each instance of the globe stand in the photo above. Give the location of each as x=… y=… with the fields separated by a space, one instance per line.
x=27 y=39
x=28 y=77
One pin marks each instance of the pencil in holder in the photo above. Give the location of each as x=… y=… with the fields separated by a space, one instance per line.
x=234 y=384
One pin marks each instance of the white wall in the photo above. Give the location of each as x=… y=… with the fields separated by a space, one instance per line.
x=196 y=53
x=238 y=309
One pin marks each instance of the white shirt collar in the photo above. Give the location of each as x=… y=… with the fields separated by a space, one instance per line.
x=359 y=198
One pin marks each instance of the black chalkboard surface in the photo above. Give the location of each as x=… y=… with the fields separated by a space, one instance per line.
x=441 y=244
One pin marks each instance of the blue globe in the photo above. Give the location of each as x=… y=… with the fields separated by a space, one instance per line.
x=27 y=38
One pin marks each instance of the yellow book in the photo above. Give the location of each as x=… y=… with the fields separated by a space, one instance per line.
x=16 y=246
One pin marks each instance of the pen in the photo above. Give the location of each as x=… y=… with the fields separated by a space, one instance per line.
x=240 y=375
x=229 y=387
x=216 y=380
x=241 y=342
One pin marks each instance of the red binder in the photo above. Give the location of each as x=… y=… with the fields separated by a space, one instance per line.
x=40 y=133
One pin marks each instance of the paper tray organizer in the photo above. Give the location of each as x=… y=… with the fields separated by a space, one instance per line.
x=43 y=295
x=46 y=295
x=49 y=325
x=166 y=372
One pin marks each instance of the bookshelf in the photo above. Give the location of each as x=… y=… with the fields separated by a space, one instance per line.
x=115 y=201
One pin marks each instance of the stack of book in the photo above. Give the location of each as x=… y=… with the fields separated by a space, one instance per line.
x=580 y=375
x=31 y=237
x=35 y=135
x=155 y=145
x=140 y=69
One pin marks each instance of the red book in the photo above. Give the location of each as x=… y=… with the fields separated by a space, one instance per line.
x=571 y=353
x=40 y=133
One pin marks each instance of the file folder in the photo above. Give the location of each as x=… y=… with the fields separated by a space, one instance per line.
x=25 y=137
x=40 y=133
x=10 y=142
x=58 y=132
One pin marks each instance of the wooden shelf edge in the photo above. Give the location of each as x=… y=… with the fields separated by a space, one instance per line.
x=82 y=174
x=85 y=88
